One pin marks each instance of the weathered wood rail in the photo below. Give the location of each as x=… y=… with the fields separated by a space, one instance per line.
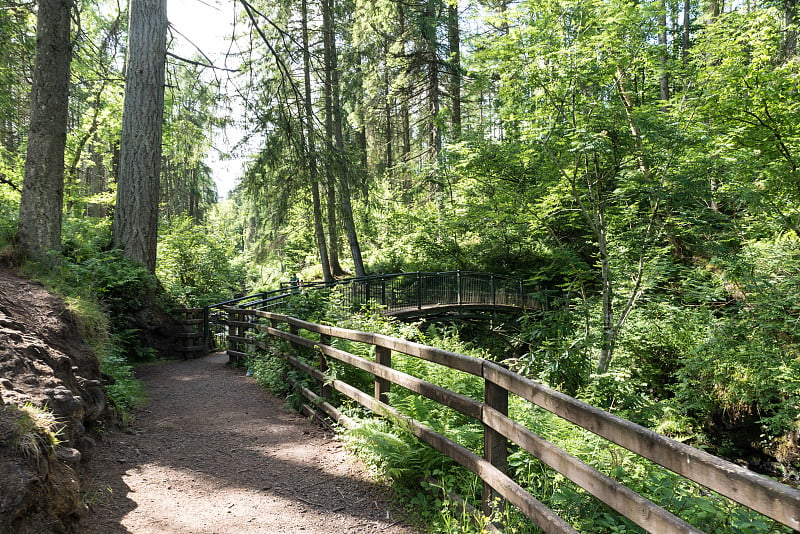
x=764 y=495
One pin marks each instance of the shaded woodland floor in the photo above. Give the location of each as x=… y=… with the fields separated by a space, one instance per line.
x=212 y=452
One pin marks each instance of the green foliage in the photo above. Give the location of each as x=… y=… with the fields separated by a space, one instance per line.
x=35 y=430
x=126 y=392
x=9 y=212
x=746 y=371
x=124 y=286
x=194 y=265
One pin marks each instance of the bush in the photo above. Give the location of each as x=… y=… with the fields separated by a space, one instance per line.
x=193 y=265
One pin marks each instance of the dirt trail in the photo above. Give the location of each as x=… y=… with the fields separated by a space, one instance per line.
x=212 y=453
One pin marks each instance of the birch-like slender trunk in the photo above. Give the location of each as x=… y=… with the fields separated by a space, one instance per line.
x=311 y=152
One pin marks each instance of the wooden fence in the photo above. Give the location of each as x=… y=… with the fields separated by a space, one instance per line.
x=190 y=337
x=764 y=495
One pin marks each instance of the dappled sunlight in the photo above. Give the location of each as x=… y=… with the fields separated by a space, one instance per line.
x=219 y=453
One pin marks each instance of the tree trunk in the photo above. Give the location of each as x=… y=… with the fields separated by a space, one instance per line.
x=340 y=168
x=454 y=44
x=430 y=24
x=609 y=332
x=687 y=22
x=405 y=113
x=40 y=210
x=790 y=31
x=136 y=213
x=663 y=53
x=333 y=228
x=330 y=167
x=311 y=153
x=387 y=116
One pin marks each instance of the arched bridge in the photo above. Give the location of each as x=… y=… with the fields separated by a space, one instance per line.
x=412 y=295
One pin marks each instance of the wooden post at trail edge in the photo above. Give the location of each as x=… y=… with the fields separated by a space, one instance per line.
x=495 y=445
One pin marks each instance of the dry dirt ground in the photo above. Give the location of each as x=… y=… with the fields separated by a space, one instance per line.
x=211 y=452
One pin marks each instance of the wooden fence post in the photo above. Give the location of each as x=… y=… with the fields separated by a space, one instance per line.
x=206 y=330
x=233 y=330
x=324 y=390
x=495 y=445
x=383 y=356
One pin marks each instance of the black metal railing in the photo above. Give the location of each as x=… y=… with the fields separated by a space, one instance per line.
x=395 y=294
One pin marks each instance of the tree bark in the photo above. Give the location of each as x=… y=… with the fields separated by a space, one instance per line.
x=430 y=24
x=136 y=213
x=40 y=212
x=405 y=113
x=663 y=54
x=340 y=168
x=310 y=145
x=454 y=44
x=687 y=21
x=331 y=168
x=790 y=31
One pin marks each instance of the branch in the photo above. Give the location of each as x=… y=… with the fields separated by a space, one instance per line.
x=15 y=187
x=200 y=63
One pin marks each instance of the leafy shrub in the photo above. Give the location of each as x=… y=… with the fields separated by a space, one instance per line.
x=126 y=392
x=193 y=264
x=745 y=372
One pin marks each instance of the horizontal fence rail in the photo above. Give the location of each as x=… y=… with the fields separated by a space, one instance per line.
x=764 y=495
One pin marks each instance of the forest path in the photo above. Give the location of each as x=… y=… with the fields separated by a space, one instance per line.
x=212 y=452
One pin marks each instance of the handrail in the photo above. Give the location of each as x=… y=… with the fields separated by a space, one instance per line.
x=399 y=294
x=766 y=496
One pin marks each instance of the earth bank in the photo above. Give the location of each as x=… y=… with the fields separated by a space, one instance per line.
x=211 y=452
x=43 y=363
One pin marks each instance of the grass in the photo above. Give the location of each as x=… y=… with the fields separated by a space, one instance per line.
x=34 y=431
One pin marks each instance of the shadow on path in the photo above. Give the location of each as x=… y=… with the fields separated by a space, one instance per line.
x=212 y=452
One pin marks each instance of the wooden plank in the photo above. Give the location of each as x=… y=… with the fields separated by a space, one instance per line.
x=495 y=444
x=537 y=512
x=240 y=339
x=322 y=404
x=189 y=335
x=453 y=360
x=240 y=324
x=638 y=509
x=461 y=403
x=764 y=495
x=239 y=311
x=187 y=322
x=383 y=357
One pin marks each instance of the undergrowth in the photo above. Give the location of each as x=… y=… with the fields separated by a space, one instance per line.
x=428 y=481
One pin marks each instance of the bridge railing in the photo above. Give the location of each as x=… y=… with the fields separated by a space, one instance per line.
x=404 y=291
x=396 y=293
x=766 y=496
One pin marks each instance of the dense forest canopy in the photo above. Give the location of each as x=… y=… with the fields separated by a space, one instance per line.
x=635 y=161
